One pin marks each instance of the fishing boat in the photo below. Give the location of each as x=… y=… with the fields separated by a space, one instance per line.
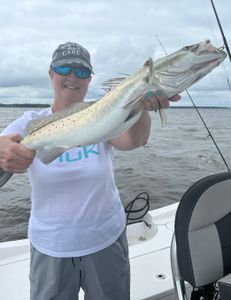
x=149 y=248
x=175 y=251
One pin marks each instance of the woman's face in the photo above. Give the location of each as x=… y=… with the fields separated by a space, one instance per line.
x=68 y=89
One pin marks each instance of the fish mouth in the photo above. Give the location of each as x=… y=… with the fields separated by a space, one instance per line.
x=207 y=63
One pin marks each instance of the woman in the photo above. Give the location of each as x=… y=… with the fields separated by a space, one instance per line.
x=77 y=222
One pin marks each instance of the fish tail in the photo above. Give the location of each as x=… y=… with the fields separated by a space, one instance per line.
x=4 y=176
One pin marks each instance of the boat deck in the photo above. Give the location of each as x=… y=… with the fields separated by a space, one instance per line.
x=149 y=252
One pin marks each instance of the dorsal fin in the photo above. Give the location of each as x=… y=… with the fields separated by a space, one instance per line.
x=149 y=63
x=38 y=123
x=151 y=67
x=109 y=84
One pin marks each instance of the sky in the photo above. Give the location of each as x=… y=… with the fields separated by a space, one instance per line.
x=120 y=35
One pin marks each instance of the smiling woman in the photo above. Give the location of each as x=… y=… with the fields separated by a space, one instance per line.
x=78 y=188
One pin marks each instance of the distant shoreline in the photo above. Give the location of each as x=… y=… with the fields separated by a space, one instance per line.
x=24 y=105
x=207 y=107
x=48 y=105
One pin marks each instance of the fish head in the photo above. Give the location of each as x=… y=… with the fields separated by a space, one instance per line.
x=178 y=71
x=203 y=56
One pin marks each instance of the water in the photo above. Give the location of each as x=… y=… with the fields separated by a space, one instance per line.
x=175 y=157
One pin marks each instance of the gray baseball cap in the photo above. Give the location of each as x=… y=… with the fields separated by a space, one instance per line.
x=71 y=53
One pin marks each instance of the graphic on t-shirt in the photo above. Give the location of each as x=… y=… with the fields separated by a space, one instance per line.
x=81 y=153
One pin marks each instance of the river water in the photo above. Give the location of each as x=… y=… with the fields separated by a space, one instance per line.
x=176 y=155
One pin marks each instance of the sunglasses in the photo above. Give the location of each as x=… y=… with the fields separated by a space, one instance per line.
x=79 y=70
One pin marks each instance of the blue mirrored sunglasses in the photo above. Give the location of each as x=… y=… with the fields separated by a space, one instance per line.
x=79 y=70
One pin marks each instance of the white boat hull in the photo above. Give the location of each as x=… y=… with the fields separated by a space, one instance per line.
x=149 y=252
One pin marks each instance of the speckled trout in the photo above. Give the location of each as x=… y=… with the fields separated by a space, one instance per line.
x=90 y=123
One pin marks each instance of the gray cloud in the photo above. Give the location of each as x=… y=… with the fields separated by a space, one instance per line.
x=120 y=34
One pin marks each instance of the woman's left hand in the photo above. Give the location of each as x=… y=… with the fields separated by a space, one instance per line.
x=157 y=100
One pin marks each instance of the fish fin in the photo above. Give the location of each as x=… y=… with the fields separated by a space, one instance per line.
x=108 y=85
x=163 y=116
x=38 y=123
x=135 y=100
x=132 y=114
x=150 y=64
x=4 y=176
x=48 y=154
x=151 y=70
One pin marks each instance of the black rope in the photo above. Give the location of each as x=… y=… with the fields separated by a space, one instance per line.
x=135 y=215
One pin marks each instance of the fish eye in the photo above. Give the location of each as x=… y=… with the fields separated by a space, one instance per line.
x=187 y=48
x=191 y=47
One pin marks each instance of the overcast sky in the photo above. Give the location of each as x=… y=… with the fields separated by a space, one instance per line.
x=120 y=35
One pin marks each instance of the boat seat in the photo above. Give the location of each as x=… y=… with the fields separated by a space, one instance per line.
x=201 y=246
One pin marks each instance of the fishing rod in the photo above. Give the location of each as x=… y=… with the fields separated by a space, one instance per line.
x=200 y=116
x=221 y=30
x=224 y=40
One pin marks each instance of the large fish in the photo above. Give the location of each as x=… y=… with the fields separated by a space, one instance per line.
x=90 y=123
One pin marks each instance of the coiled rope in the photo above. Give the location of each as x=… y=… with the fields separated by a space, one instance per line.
x=134 y=214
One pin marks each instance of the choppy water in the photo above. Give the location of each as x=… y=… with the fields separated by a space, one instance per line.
x=175 y=157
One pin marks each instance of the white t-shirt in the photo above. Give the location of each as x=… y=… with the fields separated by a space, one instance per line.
x=76 y=208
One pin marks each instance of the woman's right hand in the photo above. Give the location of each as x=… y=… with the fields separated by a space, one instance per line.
x=14 y=157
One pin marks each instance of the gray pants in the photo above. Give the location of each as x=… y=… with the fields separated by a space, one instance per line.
x=104 y=275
